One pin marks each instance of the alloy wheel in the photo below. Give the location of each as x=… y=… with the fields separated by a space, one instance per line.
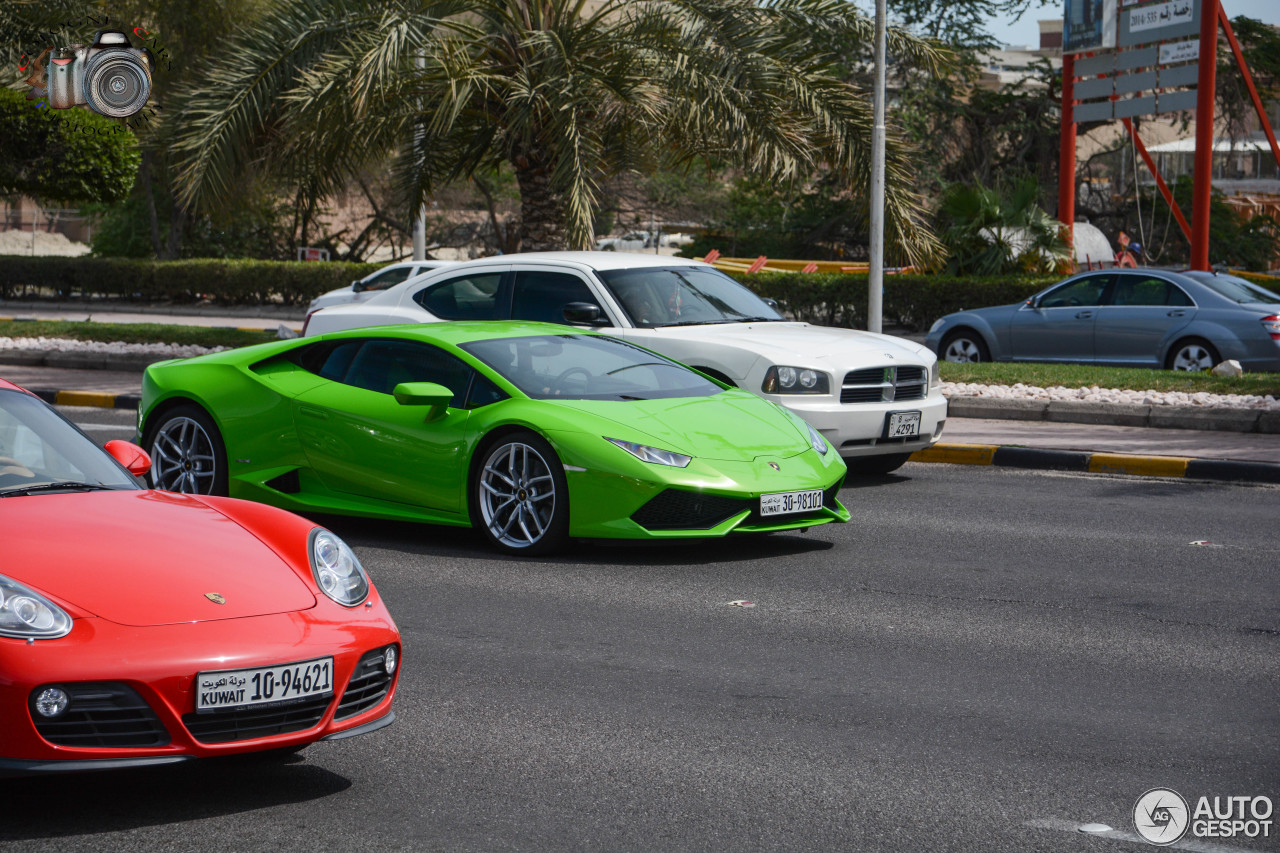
x=183 y=458
x=962 y=350
x=517 y=495
x=1193 y=357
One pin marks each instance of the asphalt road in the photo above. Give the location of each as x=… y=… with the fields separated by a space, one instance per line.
x=983 y=660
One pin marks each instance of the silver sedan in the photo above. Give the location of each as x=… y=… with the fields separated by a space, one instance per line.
x=1128 y=318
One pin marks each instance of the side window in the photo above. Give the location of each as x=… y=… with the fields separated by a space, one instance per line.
x=542 y=295
x=388 y=278
x=329 y=359
x=468 y=297
x=483 y=392
x=1081 y=292
x=382 y=365
x=1147 y=290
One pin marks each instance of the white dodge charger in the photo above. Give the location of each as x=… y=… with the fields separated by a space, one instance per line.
x=873 y=397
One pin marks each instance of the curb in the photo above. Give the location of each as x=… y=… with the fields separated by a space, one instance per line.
x=1007 y=456
x=99 y=399
x=1223 y=418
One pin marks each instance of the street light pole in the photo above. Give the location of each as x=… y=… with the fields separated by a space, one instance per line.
x=875 y=278
x=419 y=221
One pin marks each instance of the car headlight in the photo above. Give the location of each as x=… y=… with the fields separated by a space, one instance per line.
x=780 y=379
x=817 y=441
x=337 y=571
x=935 y=374
x=28 y=615
x=652 y=454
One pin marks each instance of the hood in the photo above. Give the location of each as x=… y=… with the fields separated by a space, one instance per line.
x=144 y=558
x=792 y=342
x=733 y=425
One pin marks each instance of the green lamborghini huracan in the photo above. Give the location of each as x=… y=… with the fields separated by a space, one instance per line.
x=530 y=432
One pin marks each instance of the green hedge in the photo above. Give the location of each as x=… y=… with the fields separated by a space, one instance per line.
x=913 y=301
x=224 y=282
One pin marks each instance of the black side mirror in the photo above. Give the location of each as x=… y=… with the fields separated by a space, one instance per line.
x=772 y=303
x=583 y=313
x=357 y=286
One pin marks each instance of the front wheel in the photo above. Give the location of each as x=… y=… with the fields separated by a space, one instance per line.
x=187 y=454
x=519 y=496
x=885 y=464
x=964 y=347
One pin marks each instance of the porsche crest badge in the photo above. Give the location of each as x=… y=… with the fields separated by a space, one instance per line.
x=215 y=597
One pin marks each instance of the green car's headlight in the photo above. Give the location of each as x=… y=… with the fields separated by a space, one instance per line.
x=817 y=441
x=652 y=454
x=28 y=615
x=794 y=380
x=336 y=569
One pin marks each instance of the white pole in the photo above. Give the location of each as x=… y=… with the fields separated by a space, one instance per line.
x=420 y=221
x=875 y=279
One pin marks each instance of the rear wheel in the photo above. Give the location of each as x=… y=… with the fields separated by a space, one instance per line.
x=1192 y=354
x=519 y=495
x=964 y=346
x=885 y=464
x=187 y=453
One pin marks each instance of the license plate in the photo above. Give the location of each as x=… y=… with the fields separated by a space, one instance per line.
x=782 y=503
x=903 y=425
x=236 y=688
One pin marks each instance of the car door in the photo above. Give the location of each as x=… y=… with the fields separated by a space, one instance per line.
x=1059 y=326
x=541 y=294
x=360 y=441
x=1143 y=311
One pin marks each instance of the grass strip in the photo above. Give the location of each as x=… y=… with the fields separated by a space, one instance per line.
x=1126 y=378
x=133 y=333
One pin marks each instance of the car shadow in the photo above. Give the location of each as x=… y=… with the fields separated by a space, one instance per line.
x=57 y=806
x=441 y=541
x=873 y=481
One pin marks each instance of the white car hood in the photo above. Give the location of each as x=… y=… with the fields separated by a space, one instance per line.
x=803 y=343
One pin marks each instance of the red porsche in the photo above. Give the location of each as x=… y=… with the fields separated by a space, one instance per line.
x=140 y=627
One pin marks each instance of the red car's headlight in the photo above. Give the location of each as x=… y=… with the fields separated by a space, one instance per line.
x=337 y=571
x=28 y=615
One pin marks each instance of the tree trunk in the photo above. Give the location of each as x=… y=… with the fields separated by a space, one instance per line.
x=541 y=214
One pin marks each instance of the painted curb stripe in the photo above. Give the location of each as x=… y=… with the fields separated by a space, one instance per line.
x=957 y=454
x=1143 y=466
x=86 y=398
x=1041 y=460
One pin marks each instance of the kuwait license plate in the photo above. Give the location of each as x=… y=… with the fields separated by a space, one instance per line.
x=236 y=688
x=902 y=425
x=782 y=503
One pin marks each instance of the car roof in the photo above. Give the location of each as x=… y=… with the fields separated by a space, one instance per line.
x=592 y=260
x=457 y=332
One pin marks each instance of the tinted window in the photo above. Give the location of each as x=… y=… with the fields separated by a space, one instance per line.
x=468 y=297
x=1082 y=291
x=387 y=278
x=382 y=365
x=588 y=367
x=483 y=392
x=1234 y=288
x=1147 y=290
x=684 y=296
x=542 y=295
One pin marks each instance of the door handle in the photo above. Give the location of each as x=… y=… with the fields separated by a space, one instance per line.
x=1177 y=313
x=1083 y=315
x=313 y=413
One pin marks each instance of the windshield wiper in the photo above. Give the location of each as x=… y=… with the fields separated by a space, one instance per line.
x=757 y=319
x=70 y=485
x=693 y=323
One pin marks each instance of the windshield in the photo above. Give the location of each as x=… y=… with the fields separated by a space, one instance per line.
x=588 y=367
x=684 y=296
x=38 y=447
x=1234 y=288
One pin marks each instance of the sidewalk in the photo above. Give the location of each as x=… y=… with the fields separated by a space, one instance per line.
x=215 y=316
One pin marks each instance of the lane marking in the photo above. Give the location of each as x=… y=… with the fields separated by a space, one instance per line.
x=1187 y=843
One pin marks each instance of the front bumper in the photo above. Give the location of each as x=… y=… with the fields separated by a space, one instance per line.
x=158 y=665
x=858 y=429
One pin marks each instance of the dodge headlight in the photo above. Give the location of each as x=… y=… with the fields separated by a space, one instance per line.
x=817 y=441
x=652 y=454
x=336 y=569
x=780 y=379
x=28 y=615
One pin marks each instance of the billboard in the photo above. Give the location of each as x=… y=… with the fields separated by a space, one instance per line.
x=1088 y=25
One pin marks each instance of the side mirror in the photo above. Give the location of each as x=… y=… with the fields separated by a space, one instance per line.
x=772 y=303
x=357 y=286
x=583 y=312
x=424 y=394
x=1033 y=302
x=130 y=455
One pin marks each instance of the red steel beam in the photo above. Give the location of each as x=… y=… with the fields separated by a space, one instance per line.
x=1202 y=189
x=1164 y=188
x=1067 y=153
x=1263 y=119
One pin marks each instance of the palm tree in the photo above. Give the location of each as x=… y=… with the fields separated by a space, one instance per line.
x=565 y=92
x=1002 y=229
